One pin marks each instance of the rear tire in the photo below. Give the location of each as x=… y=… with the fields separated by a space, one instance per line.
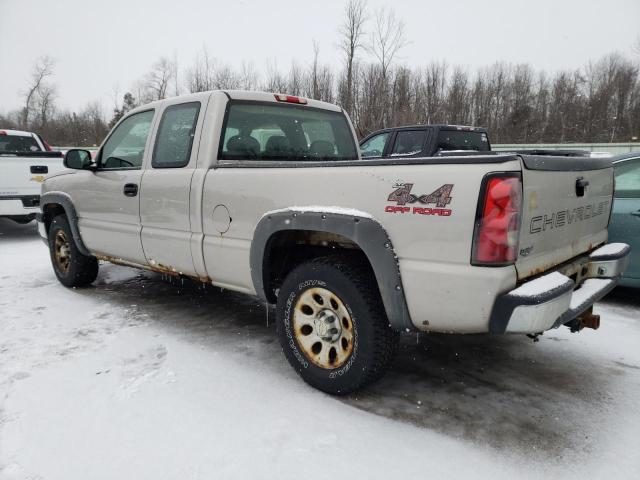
x=332 y=325
x=72 y=268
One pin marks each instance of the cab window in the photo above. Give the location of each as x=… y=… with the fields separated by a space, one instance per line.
x=175 y=136
x=374 y=147
x=125 y=147
x=409 y=142
x=285 y=132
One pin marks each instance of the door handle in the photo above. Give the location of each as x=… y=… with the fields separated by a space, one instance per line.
x=636 y=214
x=39 y=169
x=130 y=189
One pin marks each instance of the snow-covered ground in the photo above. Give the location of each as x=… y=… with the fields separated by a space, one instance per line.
x=140 y=378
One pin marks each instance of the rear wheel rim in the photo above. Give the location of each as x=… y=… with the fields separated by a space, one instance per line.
x=62 y=251
x=323 y=328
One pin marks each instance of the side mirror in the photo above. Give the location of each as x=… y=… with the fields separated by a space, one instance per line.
x=77 y=159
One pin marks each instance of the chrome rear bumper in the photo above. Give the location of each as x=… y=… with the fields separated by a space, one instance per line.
x=553 y=299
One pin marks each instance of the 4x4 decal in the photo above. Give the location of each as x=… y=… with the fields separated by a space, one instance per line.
x=402 y=196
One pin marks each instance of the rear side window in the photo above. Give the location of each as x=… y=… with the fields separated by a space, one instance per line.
x=628 y=179
x=462 y=140
x=409 y=142
x=18 y=144
x=175 y=136
x=266 y=131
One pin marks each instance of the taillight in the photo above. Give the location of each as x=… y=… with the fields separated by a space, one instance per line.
x=495 y=239
x=290 y=99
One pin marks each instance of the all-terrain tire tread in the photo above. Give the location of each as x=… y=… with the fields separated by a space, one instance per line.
x=363 y=278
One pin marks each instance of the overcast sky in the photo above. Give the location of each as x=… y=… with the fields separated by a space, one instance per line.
x=100 y=44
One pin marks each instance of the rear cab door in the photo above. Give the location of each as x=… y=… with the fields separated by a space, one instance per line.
x=165 y=193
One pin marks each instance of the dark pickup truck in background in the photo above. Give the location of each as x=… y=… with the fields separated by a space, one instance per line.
x=424 y=141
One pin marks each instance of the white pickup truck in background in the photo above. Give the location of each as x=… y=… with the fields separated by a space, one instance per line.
x=25 y=160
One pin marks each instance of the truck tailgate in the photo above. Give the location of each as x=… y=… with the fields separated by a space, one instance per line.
x=22 y=175
x=566 y=208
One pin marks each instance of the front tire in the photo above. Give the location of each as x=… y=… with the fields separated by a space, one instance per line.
x=332 y=325
x=72 y=268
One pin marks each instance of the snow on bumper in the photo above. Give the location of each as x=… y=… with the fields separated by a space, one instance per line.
x=553 y=300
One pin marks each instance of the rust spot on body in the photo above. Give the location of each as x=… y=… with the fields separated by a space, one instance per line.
x=156 y=267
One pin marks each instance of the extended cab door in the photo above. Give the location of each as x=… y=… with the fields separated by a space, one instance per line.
x=166 y=187
x=107 y=200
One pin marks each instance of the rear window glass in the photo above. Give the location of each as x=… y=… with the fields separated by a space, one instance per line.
x=18 y=144
x=462 y=140
x=264 y=131
x=628 y=179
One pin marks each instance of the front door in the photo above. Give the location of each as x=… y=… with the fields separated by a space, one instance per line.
x=108 y=204
x=625 y=221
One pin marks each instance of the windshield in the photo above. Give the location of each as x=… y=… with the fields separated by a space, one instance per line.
x=462 y=140
x=265 y=131
x=18 y=144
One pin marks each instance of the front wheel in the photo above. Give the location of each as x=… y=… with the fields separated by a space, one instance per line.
x=332 y=325
x=72 y=268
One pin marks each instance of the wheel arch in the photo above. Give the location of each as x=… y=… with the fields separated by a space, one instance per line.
x=363 y=234
x=55 y=203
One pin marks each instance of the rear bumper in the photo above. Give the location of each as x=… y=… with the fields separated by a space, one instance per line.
x=553 y=299
x=19 y=205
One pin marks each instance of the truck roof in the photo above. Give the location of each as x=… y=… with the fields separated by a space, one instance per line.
x=245 y=95
x=15 y=133
x=441 y=126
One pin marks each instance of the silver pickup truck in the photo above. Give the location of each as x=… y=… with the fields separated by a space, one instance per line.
x=267 y=194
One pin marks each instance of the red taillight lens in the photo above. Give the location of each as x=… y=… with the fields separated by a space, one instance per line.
x=498 y=223
x=290 y=99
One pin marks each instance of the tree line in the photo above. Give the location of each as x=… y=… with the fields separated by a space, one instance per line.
x=599 y=102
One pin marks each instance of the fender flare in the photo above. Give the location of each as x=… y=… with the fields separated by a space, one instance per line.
x=65 y=201
x=358 y=227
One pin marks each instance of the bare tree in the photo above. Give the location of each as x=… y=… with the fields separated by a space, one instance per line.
x=42 y=69
x=274 y=81
x=635 y=48
x=93 y=120
x=46 y=94
x=176 y=83
x=200 y=74
x=387 y=39
x=248 y=77
x=351 y=33
x=314 y=90
x=157 y=81
x=296 y=79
